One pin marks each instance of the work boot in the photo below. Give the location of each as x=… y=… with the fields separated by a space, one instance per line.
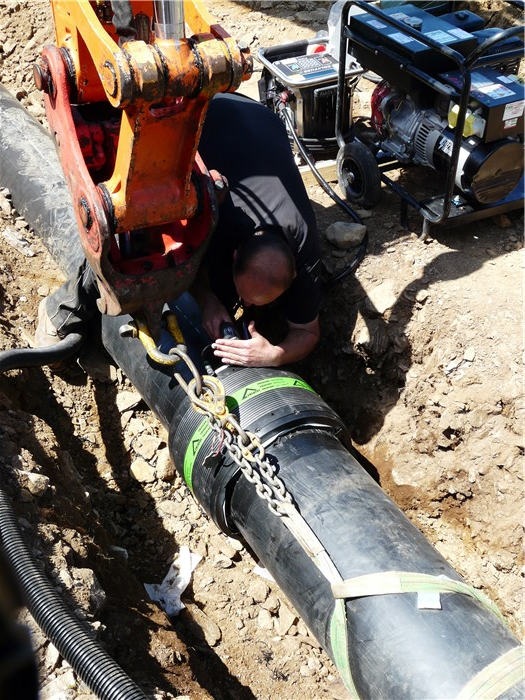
x=46 y=335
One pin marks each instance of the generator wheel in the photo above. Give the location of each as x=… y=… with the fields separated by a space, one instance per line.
x=358 y=174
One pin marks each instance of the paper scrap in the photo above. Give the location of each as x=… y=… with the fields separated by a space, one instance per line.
x=168 y=593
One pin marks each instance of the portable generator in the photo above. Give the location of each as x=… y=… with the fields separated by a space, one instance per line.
x=448 y=98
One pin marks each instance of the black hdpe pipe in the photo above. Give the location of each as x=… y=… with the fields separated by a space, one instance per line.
x=388 y=646
x=30 y=168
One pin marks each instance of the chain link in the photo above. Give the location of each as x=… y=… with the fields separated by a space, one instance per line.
x=207 y=396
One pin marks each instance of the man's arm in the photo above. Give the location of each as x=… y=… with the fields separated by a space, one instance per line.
x=213 y=311
x=259 y=352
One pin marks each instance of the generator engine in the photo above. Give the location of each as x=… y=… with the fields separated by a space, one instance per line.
x=488 y=168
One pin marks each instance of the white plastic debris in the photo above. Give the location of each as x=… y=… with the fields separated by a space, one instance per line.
x=168 y=593
x=17 y=241
x=263 y=573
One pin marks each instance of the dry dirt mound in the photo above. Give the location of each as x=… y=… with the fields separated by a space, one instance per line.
x=421 y=356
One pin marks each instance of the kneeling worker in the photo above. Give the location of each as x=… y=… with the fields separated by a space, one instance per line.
x=263 y=257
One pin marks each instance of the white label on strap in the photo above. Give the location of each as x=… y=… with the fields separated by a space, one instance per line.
x=428 y=600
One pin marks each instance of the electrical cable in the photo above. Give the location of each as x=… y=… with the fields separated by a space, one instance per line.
x=38 y=357
x=360 y=254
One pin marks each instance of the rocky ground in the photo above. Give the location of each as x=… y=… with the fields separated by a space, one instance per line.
x=421 y=355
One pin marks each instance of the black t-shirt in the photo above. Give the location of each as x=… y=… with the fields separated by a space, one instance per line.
x=248 y=143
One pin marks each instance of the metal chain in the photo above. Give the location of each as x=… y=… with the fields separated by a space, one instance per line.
x=207 y=396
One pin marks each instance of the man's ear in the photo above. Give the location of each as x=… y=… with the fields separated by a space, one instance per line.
x=235 y=253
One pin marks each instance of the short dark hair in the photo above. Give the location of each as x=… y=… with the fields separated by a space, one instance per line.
x=258 y=247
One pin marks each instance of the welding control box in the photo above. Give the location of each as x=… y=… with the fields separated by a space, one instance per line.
x=304 y=75
x=418 y=54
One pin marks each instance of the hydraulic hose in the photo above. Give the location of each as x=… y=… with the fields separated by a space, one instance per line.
x=394 y=616
x=93 y=665
x=361 y=250
x=38 y=357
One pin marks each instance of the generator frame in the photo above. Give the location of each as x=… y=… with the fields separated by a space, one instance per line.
x=444 y=209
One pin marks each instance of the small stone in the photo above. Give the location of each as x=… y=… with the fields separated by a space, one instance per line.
x=502 y=220
x=147 y=446
x=52 y=657
x=224 y=546
x=314 y=663
x=381 y=298
x=165 y=468
x=264 y=620
x=364 y=213
x=272 y=604
x=59 y=687
x=258 y=590
x=344 y=234
x=37 y=484
x=222 y=562
x=469 y=354
x=126 y=400
x=173 y=508
x=285 y=620
x=142 y=471
x=422 y=296
x=235 y=544
x=290 y=645
x=204 y=625
x=302 y=629
x=5 y=205
x=125 y=418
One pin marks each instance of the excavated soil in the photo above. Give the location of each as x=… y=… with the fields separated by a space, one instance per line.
x=421 y=355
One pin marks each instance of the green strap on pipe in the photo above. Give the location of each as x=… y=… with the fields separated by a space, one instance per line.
x=339 y=644
x=496 y=678
x=391 y=582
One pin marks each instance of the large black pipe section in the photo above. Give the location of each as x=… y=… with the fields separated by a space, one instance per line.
x=391 y=646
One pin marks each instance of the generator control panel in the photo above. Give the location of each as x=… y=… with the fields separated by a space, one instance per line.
x=497 y=97
x=315 y=67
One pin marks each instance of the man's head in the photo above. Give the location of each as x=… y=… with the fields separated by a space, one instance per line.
x=263 y=269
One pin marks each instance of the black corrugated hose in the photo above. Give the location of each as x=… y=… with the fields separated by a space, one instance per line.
x=101 y=674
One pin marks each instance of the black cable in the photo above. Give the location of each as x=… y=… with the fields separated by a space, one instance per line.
x=38 y=357
x=360 y=254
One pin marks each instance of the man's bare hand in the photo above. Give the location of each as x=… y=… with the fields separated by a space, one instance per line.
x=257 y=351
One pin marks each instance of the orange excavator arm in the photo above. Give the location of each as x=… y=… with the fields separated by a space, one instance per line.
x=127 y=85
